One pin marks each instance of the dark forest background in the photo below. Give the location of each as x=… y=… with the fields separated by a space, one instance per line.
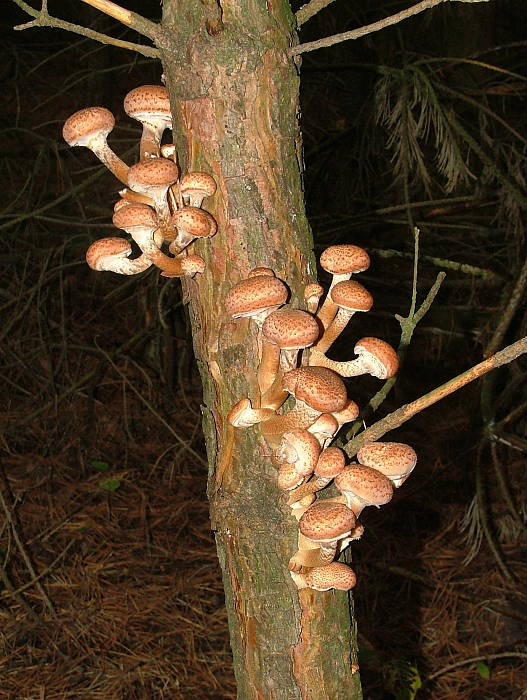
x=110 y=586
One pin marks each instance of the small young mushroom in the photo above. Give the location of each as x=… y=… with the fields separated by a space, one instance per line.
x=330 y=464
x=256 y=297
x=350 y=297
x=243 y=415
x=312 y=294
x=341 y=261
x=185 y=266
x=375 y=357
x=153 y=178
x=112 y=255
x=324 y=428
x=288 y=477
x=395 y=460
x=194 y=187
x=349 y=413
x=299 y=448
x=149 y=104
x=323 y=578
x=325 y=523
x=363 y=486
x=89 y=127
x=191 y=223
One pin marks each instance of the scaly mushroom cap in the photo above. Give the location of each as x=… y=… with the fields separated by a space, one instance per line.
x=261 y=271
x=324 y=428
x=351 y=296
x=312 y=293
x=393 y=459
x=151 y=174
x=105 y=249
x=254 y=295
x=327 y=521
x=334 y=575
x=331 y=462
x=290 y=329
x=381 y=358
x=197 y=184
x=148 y=101
x=133 y=216
x=348 y=413
x=370 y=486
x=344 y=259
x=288 y=477
x=318 y=387
x=194 y=221
x=301 y=448
x=87 y=123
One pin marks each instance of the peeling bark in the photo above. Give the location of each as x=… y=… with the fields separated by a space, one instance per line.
x=234 y=94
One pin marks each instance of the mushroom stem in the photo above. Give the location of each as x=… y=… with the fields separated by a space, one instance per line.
x=333 y=330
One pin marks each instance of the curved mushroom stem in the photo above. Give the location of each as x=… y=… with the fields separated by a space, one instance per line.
x=328 y=310
x=135 y=198
x=351 y=368
x=99 y=146
x=315 y=484
x=147 y=242
x=333 y=330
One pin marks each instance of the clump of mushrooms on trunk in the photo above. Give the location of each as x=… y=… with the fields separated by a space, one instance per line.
x=156 y=208
x=292 y=362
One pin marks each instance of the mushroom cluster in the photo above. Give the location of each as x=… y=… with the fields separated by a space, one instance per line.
x=157 y=207
x=293 y=363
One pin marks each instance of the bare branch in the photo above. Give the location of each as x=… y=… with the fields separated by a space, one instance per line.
x=370 y=28
x=404 y=413
x=310 y=9
x=43 y=19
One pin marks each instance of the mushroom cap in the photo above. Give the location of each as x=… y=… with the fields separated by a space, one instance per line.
x=325 y=426
x=348 y=413
x=344 y=259
x=87 y=123
x=195 y=221
x=370 y=486
x=153 y=172
x=105 y=249
x=331 y=462
x=313 y=290
x=135 y=216
x=290 y=329
x=254 y=295
x=301 y=448
x=261 y=271
x=148 y=101
x=318 y=387
x=351 y=296
x=380 y=356
x=334 y=575
x=288 y=477
x=326 y=521
x=392 y=459
x=197 y=183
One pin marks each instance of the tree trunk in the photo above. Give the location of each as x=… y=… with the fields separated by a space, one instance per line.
x=234 y=91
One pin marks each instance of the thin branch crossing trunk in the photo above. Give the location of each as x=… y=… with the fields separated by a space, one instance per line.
x=234 y=90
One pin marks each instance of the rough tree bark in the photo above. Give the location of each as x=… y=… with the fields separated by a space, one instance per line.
x=234 y=90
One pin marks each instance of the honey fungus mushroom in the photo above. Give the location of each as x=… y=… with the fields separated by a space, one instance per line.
x=363 y=486
x=149 y=104
x=256 y=297
x=325 y=523
x=374 y=356
x=111 y=254
x=324 y=578
x=395 y=460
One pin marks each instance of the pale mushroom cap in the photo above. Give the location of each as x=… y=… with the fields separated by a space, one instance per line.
x=153 y=172
x=255 y=294
x=85 y=124
x=331 y=462
x=380 y=355
x=290 y=329
x=334 y=575
x=301 y=448
x=325 y=426
x=201 y=184
x=195 y=221
x=319 y=387
x=134 y=216
x=105 y=249
x=392 y=459
x=344 y=259
x=367 y=484
x=352 y=296
x=326 y=521
x=147 y=100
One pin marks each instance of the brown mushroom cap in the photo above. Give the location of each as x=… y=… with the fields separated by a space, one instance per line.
x=87 y=123
x=195 y=221
x=319 y=387
x=288 y=477
x=348 y=413
x=344 y=259
x=290 y=329
x=326 y=521
x=147 y=100
x=370 y=486
x=381 y=357
x=153 y=172
x=254 y=295
x=105 y=249
x=301 y=448
x=334 y=575
x=351 y=296
x=135 y=215
x=331 y=462
x=392 y=459
x=201 y=184
x=261 y=271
